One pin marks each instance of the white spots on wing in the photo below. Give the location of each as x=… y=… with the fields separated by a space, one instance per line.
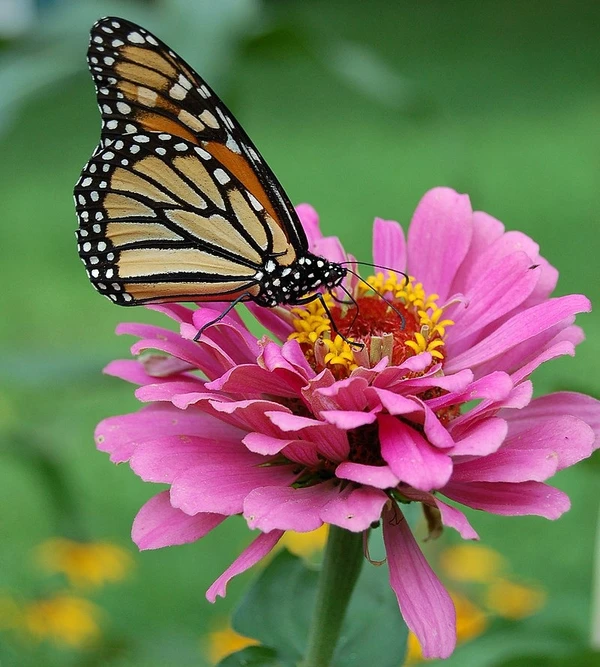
x=115 y=24
x=232 y=144
x=109 y=273
x=101 y=246
x=86 y=247
x=95 y=196
x=103 y=91
x=106 y=167
x=123 y=108
x=207 y=117
x=160 y=151
x=84 y=215
x=94 y=260
x=270 y=266
x=110 y=256
x=221 y=176
x=106 y=109
x=99 y=215
x=185 y=82
x=94 y=60
x=83 y=232
x=127 y=297
x=141 y=138
x=105 y=28
x=205 y=155
x=98 y=39
x=204 y=91
x=181 y=147
x=112 y=124
x=108 y=155
x=112 y=297
x=177 y=92
x=286 y=272
x=256 y=205
x=117 y=42
x=86 y=181
x=253 y=154
x=129 y=128
x=151 y=40
x=95 y=273
x=96 y=229
x=135 y=37
x=92 y=168
x=108 y=60
x=124 y=162
x=81 y=199
x=134 y=149
x=118 y=145
x=103 y=184
x=164 y=137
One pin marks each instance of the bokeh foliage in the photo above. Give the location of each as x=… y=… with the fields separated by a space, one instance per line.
x=359 y=108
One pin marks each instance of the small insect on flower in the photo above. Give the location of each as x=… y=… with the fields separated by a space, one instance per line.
x=176 y=203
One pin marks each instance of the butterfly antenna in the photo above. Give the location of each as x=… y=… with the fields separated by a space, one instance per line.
x=379 y=294
x=352 y=343
x=378 y=266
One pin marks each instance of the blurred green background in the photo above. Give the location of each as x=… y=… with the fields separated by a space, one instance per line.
x=359 y=108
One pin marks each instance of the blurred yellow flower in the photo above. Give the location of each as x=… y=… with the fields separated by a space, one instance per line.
x=471 y=562
x=513 y=600
x=305 y=545
x=224 y=641
x=10 y=613
x=85 y=564
x=64 y=619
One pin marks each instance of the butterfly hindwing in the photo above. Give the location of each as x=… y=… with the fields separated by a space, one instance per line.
x=144 y=87
x=162 y=219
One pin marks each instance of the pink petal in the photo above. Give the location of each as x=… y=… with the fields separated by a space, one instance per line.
x=438 y=239
x=497 y=291
x=348 y=394
x=252 y=415
x=495 y=386
x=310 y=222
x=307 y=508
x=160 y=460
x=119 y=436
x=389 y=247
x=520 y=328
x=221 y=487
x=424 y=603
x=168 y=391
x=256 y=551
x=131 y=370
x=175 y=311
x=265 y=444
x=292 y=353
x=505 y=498
x=381 y=477
x=486 y=229
x=569 y=438
x=483 y=438
x=508 y=466
x=253 y=380
x=157 y=524
x=348 y=419
x=559 y=403
x=411 y=457
x=558 y=350
x=456 y=519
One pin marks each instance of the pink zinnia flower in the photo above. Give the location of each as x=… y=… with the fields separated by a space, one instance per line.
x=308 y=430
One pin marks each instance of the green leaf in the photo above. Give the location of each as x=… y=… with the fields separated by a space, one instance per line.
x=277 y=610
x=259 y=656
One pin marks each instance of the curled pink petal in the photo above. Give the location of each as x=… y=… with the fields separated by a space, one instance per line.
x=389 y=246
x=424 y=603
x=257 y=550
x=158 y=524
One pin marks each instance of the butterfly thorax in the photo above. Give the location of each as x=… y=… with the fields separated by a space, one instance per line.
x=281 y=284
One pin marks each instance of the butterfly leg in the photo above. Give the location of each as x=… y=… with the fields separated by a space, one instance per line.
x=242 y=297
x=318 y=296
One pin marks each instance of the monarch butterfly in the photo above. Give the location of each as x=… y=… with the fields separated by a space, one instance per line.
x=176 y=203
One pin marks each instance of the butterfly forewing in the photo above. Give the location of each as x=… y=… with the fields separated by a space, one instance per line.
x=145 y=90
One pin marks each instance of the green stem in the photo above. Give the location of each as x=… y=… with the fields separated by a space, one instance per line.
x=341 y=567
